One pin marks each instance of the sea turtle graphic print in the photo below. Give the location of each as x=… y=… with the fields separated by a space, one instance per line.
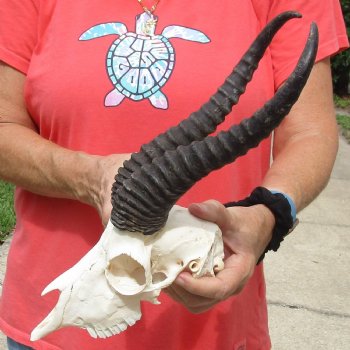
x=139 y=64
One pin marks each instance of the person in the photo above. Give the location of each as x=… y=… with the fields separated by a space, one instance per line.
x=64 y=132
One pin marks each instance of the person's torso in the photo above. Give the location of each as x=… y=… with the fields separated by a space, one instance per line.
x=106 y=95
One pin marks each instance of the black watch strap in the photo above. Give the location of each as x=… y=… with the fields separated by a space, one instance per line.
x=280 y=207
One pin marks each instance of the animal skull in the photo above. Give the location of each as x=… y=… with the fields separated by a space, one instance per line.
x=103 y=291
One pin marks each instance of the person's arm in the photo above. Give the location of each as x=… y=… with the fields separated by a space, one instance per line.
x=305 y=147
x=42 y=167
x=306 y=143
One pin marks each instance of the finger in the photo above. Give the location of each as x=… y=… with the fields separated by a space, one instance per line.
x=193 y=303
x=206 y=287
x=172 y=294
x=227 y=282
x=212 y=211
x=188 y=298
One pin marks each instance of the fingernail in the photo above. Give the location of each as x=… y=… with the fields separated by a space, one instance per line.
x=198 y=206
x=195 y=205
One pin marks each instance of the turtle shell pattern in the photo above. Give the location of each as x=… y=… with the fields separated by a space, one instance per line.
x=140 y=65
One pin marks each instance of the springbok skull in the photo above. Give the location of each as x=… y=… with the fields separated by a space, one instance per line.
x=149 y=241
x=103 y=291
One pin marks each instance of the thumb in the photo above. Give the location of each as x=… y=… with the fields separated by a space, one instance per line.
x=212 y=211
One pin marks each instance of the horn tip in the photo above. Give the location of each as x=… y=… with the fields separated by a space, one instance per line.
x=291 y=14
x=314 y=28
x=313 y=34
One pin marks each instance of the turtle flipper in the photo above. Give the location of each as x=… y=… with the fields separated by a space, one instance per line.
x=159 y=100
x=104 y=29
x=113 y=98
x=185 y=33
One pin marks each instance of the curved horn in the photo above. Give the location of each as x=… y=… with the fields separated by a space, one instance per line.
x=204 y=121
x=144 y=201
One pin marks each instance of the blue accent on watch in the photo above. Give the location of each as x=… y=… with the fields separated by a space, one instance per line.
x=293 y=209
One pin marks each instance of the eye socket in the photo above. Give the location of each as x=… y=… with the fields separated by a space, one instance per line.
x=126 y=275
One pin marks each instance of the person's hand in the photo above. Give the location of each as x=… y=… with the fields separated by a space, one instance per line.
x=246 y=233
x=106 y=169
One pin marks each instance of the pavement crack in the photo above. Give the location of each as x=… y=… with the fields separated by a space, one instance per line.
x=310 y=309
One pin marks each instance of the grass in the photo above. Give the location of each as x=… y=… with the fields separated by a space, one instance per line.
x=7 y=214
x=344 y=123
x=343 y=117
x=342 y=102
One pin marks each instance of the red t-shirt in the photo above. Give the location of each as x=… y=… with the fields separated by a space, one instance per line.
x=67 y=82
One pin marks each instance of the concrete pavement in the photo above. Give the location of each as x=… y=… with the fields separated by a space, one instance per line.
x=308 y=280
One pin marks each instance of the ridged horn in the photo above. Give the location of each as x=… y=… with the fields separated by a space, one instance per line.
x=143 y=202
x=205 y=121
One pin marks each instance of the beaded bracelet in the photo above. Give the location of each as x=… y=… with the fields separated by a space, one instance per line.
x=282 y=208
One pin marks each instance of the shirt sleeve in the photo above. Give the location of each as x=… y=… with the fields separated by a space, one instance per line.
x=288 y=44
x=18 y=32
